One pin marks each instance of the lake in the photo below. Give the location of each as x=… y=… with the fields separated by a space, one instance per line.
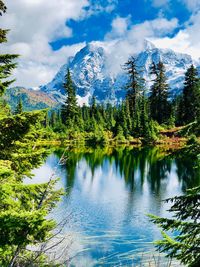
x=109 y=192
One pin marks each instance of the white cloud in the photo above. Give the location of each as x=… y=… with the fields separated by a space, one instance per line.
x=160 y=3
x=186 y=40
x=34 y=72
x=192 y=5
x=119 y=27
x=156 y=27
x=130 y=40
x=33 y=24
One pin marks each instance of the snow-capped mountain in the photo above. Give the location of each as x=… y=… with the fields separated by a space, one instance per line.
x=91 y=75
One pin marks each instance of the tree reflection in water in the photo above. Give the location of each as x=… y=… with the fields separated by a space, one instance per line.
x=153 y=164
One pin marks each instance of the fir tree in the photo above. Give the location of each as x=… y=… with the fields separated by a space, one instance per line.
x=69 y=108
x=93 y=108
x=134 y=85
x=134 y=88
x=186 y=245
x=23 y=208
x=19 y=107
x=159 y=105
x=190 y=104
x=7 y=61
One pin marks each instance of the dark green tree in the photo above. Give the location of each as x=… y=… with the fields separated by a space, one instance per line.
x=134 y=85
x=19 y=107
x=159 y=105
x=93 y=107
x=23 y=208
x=69 y=109
x=190 y=104
x=184 y=246
x=7 y=61
x=134 y=88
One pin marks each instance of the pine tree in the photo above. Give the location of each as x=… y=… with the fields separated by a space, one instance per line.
x=23 y=208
x=69 y=108
x=159 y=105
x=134 y=88
x=53 y=118
x=190 y=104
x=134 y=85
x=144 y=118
x=93 y=107
x=19 y=107
x=185 y=246
x=7 y=61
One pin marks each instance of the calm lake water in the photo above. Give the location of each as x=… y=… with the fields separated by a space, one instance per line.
x=109 y=192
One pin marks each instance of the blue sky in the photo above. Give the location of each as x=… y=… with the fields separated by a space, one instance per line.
x=46 y=32
x=95 y=27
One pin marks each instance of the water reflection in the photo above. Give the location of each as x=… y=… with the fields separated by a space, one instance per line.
x=153 y=164
x=110 y=191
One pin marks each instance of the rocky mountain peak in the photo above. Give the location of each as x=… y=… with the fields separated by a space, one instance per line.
x=91 y=76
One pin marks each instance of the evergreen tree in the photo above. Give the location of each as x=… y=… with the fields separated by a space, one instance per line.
x=69 y=108
x=53 y=118
x=19 y=107
x=134 y=88
x=7 y=61
x=128 y=116
x=134 y=85
x=2 y=7
x=190 y=104
x=93 y=107
x=23 y=208
x=185 y=246
x=159 y=105
x=144 y=118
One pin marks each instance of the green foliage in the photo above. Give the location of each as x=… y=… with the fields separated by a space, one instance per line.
x=31 y=100
x=159 y=105
x=19 y=107
x=69 y=108
x=192 y=140
x=23 y=208
x=134 y=86
x=184 y=246
x=7 y=61
x=189 y=106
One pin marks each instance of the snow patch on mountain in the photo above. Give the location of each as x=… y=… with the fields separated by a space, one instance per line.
x=90 y=72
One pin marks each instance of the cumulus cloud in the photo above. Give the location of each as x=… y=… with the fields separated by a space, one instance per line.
x=132 y=39
x=33 y=25
x=36 y=23
x=160 y=3
x=186 y=40
x=119 y=27
x=192 y=5
x=99 y=6
x=32 y=71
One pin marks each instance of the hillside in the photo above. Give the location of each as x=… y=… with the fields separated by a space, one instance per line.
x=32 y=100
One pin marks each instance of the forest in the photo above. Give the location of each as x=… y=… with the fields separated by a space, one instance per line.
x=142 y=117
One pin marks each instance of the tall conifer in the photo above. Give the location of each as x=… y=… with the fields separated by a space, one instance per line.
x=159 y=105
x=69 y=108
x=190 y=104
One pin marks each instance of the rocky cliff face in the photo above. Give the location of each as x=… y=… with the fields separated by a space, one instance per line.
x=92 y=77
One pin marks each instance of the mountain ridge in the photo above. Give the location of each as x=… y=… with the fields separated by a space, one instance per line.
x=92 y=77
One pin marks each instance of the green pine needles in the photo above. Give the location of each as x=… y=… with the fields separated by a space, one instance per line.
x=184 y=246
x=23 y=207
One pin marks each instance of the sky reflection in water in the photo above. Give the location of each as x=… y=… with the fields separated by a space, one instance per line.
x=109 y=193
